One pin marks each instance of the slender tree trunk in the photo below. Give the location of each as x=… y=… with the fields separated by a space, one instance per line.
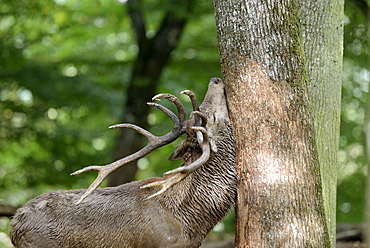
x=154 y=53
x=364 y=7
x=366 y=236
x=367 y=190
x=262 y=49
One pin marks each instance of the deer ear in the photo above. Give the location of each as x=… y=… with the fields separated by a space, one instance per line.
x=179 y=151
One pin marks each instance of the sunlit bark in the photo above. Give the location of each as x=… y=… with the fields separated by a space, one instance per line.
x=263 y=49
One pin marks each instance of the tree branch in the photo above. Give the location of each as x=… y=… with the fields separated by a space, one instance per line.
x=7 y=211
x=173 y=23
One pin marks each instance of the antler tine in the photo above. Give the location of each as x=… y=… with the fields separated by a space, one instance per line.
x=104 y=171
x=138 y=129
x=153 y=142
x=202 y=116
x=206 y=152
x=168 y=112
x=193 y=99
x=182 y=172
x=180 y=107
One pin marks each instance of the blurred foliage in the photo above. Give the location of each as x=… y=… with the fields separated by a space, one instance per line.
x=59 y=90
x=64 y=69
x=4 y=230
x=352 y=150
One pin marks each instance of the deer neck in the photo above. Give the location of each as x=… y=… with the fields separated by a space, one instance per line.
x=203 y=198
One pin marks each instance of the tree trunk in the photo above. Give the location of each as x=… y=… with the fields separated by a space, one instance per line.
x=364 y=7
x=280 y=199
x=323 y=51
x=367 y=190
x=366 y=236
x=153 y=56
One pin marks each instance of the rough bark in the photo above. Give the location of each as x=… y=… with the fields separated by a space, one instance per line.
x=322 y=33
x=280 y=201
x=154 y=53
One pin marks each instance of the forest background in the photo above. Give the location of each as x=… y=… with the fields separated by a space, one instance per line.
x=65 y=67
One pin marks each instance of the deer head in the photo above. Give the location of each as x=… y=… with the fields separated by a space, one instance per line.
x=195 y=125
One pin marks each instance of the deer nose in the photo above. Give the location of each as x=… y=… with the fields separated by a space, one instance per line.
x=215 y=80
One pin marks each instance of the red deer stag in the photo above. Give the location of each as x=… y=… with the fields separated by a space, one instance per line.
x=177 y=210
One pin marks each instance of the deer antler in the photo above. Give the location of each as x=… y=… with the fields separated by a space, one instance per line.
x=180 y=173
x=193 y=99
x=153 y=141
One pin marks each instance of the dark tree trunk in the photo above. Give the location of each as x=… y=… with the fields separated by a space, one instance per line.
x=154 y=53
x=264 y=63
